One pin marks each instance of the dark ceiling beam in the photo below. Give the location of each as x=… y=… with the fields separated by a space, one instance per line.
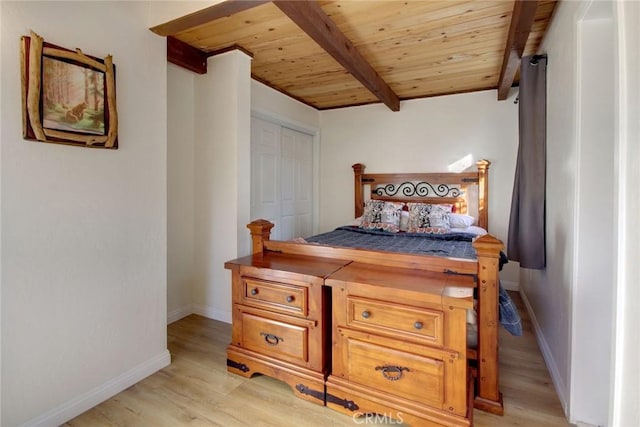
x=186 y=56
x=524 y=12
x=310 y=17
x=204 y=16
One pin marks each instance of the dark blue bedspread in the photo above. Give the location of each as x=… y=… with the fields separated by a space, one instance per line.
x=454 y=245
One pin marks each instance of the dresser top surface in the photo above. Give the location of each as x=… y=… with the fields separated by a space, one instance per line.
x=300 y=264
x=402 y=278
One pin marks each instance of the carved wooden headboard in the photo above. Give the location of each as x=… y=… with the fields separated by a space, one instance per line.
x=442 y=187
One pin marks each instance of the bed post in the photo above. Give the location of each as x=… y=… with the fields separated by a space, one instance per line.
x=260 y=232
x=358 y=170
x=488 y=396
x=483 y=193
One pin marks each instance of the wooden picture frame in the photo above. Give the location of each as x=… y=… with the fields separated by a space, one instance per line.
x=67 y=97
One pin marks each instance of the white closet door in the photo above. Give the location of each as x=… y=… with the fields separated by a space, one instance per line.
x=281 y=179
x=265 y=171
x=296 y=161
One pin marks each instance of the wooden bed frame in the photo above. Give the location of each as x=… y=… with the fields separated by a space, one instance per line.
x=448 y=188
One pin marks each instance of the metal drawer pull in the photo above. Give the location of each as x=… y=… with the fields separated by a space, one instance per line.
x=366 y=314
x=418 y=325
x=254 y=291
x=271 y=339
x=290 y=298
x=392 y=373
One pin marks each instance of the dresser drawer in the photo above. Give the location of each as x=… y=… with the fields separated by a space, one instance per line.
x=427 y=375
x=275 y=338
x=278 y=296
x=395 y=320
x=416 y=377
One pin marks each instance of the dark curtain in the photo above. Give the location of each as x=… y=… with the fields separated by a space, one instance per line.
x=526 y=243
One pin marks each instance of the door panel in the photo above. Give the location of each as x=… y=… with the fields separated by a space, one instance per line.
x=305 y=187
x=282 y=179
x=265 y=169
x=287 y=184
x=299 y=150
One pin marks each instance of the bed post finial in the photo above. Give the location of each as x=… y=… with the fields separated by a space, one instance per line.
x=260 y=232
x=483 y=193
x=358 y=170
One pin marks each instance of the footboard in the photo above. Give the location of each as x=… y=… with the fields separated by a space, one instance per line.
x=485 y=268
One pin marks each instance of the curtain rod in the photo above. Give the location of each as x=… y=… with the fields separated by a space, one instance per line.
x=535 y=58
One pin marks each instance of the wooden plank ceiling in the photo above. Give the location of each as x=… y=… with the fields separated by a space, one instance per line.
x=332 y=54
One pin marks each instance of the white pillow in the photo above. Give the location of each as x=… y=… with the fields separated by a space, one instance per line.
x=461 y=220
x=404 y=220
x=355 y=222
x=478 y=231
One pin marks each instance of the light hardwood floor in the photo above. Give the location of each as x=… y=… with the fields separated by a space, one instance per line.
x=196 y=389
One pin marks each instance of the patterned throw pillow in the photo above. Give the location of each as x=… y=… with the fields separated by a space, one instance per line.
x=381 y=215
x=427 y=218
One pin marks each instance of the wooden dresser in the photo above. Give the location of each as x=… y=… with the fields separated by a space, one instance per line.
x=399 y=345
x=281 y=320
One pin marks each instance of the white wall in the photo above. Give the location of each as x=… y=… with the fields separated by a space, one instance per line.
x=594 y=225
x=180 y=192
x=168 y=10
x=571 y=303
x=425 y=135
x=83 y=230
x=208 y=168
x=625 y=410
x=222 y=147
x=1 y=281
x=548 y=292
x=277 y=107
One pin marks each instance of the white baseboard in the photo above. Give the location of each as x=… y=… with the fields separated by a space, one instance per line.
x=202 y=310
x=212 y=313
x=557 y=380
x=509 y=285
x=179 y=313
x=86 y=401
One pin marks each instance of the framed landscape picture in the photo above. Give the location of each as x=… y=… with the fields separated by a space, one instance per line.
x=68 y=97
